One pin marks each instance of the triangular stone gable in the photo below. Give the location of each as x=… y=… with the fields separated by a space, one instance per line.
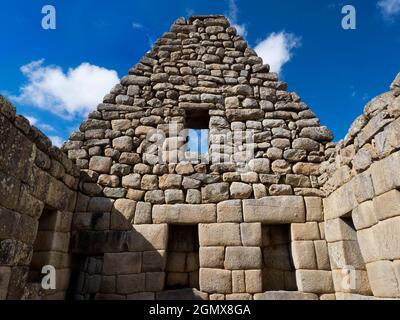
x=202 y=64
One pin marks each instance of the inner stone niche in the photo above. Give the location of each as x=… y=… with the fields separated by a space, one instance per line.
x=278 y=269
x=42 y=247
x=182 y=270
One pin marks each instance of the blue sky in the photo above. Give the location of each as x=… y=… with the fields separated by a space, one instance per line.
x=65 y=71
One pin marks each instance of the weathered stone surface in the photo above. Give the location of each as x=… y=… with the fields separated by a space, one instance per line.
x=345 y=253
x=212 y=257
x=251 y=234
x=148 y=237
x=387 y=205
x=314 y=281
x=285 y=295
x=239 y=190
x=305 y=231
x=215 y=280
x=274 y=210
x=229 y=211
x=383 y=280
x=243 y=258
x=382 y=174
x=221 y=234
x=122 y=263
x=216 y=192
x=123 y=214
x=100 y=164
x=184 y=213
x=304 y=255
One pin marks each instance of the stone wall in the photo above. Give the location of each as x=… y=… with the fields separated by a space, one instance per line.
x=37 y=198
x=262 y=168
x=273 y=210
x=361 y=210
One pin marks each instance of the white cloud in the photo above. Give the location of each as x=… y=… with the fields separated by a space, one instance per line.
x=276 y=49
x=46 y=127
x=32 y=120
x=389 y=8
x=233 y=18
x=137 y=25
x=57 y=141
x=70 y=94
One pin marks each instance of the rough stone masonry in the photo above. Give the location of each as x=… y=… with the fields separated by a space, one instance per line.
x=272 y=210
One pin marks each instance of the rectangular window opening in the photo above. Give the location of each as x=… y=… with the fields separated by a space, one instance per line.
x=197 y=123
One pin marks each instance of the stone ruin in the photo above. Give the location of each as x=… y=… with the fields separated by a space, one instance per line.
x=272 y=210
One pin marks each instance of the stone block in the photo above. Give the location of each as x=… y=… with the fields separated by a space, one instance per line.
x=154 y=261
x=239 y=296
x=260 y=165
x=100 y=204
x=345 y=253
x=303 y=253
x=351 y=281
x=122 y=263
x=215 y=192
x=184 y=213
x=154 y=196
x=322 y=255
x=173 y=196
x=147 y=237
x=5 y=274
x=382 y=174
x=363 y=186
x=285 y=295
x=238 y=281
x=340 y=202
x=100 y=164
x=193 y=196
x=170 y=181
x=215 y=280
x=338 y=230
x=243 y=258
x=123 y=214
x=131 y=283
x=259 y=191
x=142 y=213
x=387 y=237
x=305 y=231
x=229 y=211
x=368 y=244
x=251 y=234
x=364 y=215
x=383 y=280
x=217 y=296
x=240 y=190
x=154 y=281
x=253 y=281
x=182 y=294
x=131 y=181
x=219 y=234
x=9 y=223
x=387 y=205
x=314 y=210
x=314 y=281
x=149 y=182
x=275 y=210
x=212 y=257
